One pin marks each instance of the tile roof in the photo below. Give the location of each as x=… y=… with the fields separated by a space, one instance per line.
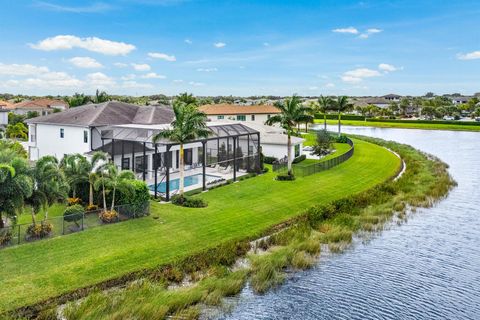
x=229 y=109
x=108 y=113
x=5 y=105
x=40 y=103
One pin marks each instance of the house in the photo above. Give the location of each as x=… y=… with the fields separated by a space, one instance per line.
x=3 y=117
x=459 y=100
x=392 y=97
x=42 y=106
x=379 y=102
x=5 y=105
x=247 y=113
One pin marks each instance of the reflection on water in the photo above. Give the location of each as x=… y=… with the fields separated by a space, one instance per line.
x=427 y=268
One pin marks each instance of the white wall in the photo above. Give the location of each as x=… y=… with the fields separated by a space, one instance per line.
x=259 y=118
x=3 y=118
x=278 y=151
x=48 y=141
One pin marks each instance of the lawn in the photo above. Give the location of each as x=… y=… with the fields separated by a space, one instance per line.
x=55 y=210
x=412 y=125
x=44 y=269
x=340 y=148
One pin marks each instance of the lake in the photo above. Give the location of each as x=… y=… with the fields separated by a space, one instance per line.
x=425 y=268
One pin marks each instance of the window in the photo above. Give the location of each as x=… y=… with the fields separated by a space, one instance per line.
x=253 y=117
x=126 y=164
x=85 y=136
x=140 y=161
x=268 y=116
x=62 y=133
x=220 y=117
x=241 y=118
x=297 y=150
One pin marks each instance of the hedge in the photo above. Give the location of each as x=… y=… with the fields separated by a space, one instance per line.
x=466 y=123
x=344 y=116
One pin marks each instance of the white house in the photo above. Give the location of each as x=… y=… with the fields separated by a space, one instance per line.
x=3 y=117
x=42 y=106
x=243 y=113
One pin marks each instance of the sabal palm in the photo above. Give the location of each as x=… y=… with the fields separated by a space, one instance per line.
x=324 y=105
x=97 y=158
x=291 y=110
x=50 y=180
x=189 y=124
x=341 y=104
x=76 y=168
x=112 y=179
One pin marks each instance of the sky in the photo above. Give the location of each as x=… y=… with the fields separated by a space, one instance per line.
x=240 y=48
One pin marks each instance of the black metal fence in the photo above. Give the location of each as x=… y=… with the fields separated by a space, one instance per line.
x=62 y=225
x=303 y=171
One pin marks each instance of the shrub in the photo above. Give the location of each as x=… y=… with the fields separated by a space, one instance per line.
x=299 y=158
x=264 y=170
x=92 y=207
x=74 y=213
x=108 y=216
x=341 y=139
x=136 y=199
x=39 y=231
x=74 y=201
x=285 y=177
x=269 y=160
x=5 y=237
x=181 y=200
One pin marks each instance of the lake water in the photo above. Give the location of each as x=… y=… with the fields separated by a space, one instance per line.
x=426 y=268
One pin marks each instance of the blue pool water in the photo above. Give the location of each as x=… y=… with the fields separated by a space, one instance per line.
x=175 y=183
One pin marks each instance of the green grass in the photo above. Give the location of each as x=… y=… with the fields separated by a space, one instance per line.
x=340 y=148
x=413 y=125
x=37 y=271
x=54 y=211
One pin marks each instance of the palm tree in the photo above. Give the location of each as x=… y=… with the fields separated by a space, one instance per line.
x=341 y=104
x=50 y=180
x=97 y=158
x=18 y=130
x=291 y=110
x=324 y=105
x=114 y=180
x=186 y=98
x=76 y=169
x=189 y=124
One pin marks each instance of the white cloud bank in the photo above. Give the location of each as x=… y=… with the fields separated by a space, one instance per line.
x=94 y=44
x=207 y=69
x=219 y=44
x=469 y=56
x=357 y=75
x=385 y=67
x=21 y=69
x=153 y=75
x=350 y=30
x=141 y=66
x=85 y=62
x=162 y=56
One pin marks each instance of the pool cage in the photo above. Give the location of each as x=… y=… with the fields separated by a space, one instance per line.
x=229 y=151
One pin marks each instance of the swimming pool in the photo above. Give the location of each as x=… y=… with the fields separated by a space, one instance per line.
x=188 y=181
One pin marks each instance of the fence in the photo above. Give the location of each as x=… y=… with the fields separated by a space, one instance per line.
x=303 y=171
x=62 y=225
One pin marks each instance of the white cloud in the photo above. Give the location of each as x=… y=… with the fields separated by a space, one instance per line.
x=141 y=66
x=153 y=75
x=177 y=81
x=220 y=44
x=196 y=84
x=357 y=75
x=369 y=32
x=163 y=56
x=469 y=56
x=44 y=81
x=100 y=80
x=188 y=41
x=207 y=69
x=385 y=67
x=95 y=7
x=85 y=62
x=94 y=44
x=127 y=77
x=120 y=65
x=21 y=69
x=136 y=85
x=351 y=30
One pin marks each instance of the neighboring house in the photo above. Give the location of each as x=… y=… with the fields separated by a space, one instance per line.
x=379 y=102
x=43 y=106
x=5 y=105
x=459 y=100
x=248 y=113
x=3 y=117
x=392 y=97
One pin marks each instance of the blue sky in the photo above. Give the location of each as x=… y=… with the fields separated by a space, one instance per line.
x=240 y=47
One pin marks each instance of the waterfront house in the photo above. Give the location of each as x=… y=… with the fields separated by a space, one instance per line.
x=247 y=113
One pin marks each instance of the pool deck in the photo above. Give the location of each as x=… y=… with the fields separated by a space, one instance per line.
x=211 y=172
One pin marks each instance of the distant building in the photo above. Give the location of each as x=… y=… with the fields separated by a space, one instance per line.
x=392 y=97
x=248 y=113
x=43 y=106
x=459 y=100
x=5 y=105
x=3 y=117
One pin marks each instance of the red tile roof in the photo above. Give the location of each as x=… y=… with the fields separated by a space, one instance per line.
x=230 y=109
x=40 y=103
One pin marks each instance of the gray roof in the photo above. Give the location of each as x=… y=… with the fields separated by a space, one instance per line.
x=108 y=113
